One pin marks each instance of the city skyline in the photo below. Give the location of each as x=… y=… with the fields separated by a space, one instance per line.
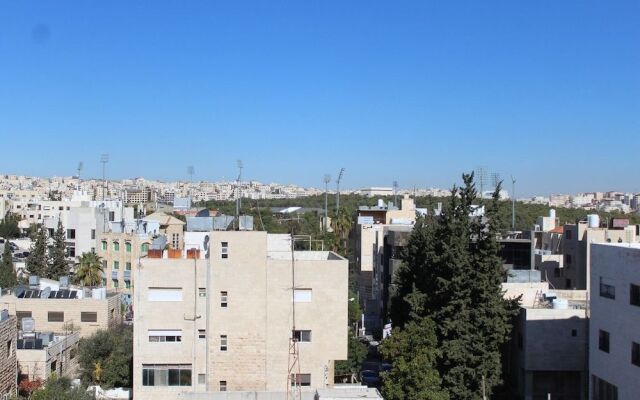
x=415 y=92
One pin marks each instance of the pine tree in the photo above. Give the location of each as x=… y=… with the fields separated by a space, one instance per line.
x=38 y=260
x=452 y=274
x=8 y=277
x=58 y=265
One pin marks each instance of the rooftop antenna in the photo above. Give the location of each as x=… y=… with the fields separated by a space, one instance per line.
x=104 y=159
x=513 y=203
x=395 y=193
x=481 y=177
x=326 y=179
x=338 y=190
x=80 y=166
x=238 y=192
x=495 y=179
x=294 y=391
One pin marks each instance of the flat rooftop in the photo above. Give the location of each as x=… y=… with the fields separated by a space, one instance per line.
x=304 y=255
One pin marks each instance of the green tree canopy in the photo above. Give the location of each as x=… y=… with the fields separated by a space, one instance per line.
x=38 y=260
x=9 y=226
x=8 y=277
x=58 y=265
x=89 y=270
x=112 y=350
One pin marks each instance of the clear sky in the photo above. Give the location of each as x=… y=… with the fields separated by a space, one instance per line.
x=418 y=92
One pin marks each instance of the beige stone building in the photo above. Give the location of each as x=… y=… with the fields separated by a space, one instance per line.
x=41 y=354
x=171 y=227
x=223 y=320
x=61 y=316
x=119 y=253
x=8 y=366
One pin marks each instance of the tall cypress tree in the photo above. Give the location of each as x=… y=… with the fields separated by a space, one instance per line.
x=8 y=277
x=452 y=274
x=38 y=260
x=58 y=265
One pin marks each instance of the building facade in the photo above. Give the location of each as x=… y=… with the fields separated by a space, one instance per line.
x=614 y=344
x=8 y=366
x=221 y=318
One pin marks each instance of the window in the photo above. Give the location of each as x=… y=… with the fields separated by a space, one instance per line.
x=202 y=292
x=71 y=251
x=165 y=294
x=144 y=247
x=603 y=390
x=574 y=332
x=171 y=335
x=55 y=316
x=607 y=289
x=202 y=379
x=634 y=295
x=93 y=234
x=9 y=348
x=54 y=366
x=635 y=354
x=115 y=283
x=302 y=336
x=71 y=233
x=112 y=216
x=127 y=266
x=568 y=233
x=567 y=283
x=223 y=342
x=224 y=297
x=603 y=341
x=302 y=295
x=88 y=316
x=223 y=386
x=127 y=284
x=202 y=334
x=127 y=247
x=175 y=240
x=116 y=246
x=104 y=245
x=225 y=249
x=166 y=375
x=300 y=379
x=116 y=265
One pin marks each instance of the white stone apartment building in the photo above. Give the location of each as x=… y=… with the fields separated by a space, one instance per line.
x=222 y=320
x=41 y=354
x=614 y=345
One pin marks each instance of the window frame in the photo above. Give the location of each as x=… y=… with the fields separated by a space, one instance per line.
x=604 y=341
x=52 y=316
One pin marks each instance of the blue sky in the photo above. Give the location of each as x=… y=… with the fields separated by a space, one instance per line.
x=418 y=92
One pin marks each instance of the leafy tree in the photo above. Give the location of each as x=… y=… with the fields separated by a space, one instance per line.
x=413 y=353
x=356 y=353
x=8 y=277
x=9 y=226
x=60 y=389
x=58 y=265
x=38 y=259
x=89 y=270
x=110 y=352
x=355 y=312
x=452 y=274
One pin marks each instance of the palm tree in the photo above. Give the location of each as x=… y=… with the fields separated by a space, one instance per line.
x=341 y=224
x=89 y=270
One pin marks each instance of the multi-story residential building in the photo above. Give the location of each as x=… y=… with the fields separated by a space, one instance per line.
x=121 y=250
x=548 y=352
x=614 y=340
x=61 y=310
x=8 y=366
x=171 y=227
x=41 y=354
x=222 y=317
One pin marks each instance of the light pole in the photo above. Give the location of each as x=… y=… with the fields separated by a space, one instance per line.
x=338 y=190
x=326 y=179
x=513 y=203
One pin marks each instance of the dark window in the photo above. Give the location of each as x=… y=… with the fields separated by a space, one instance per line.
x=574 y=332
x=302 y=336
x=93 y=234
x=54 y=366
x=635 y=354
x=166 y=375
x=88 y=316
x=223 y=386
x=301 y=379
x=225 y=249
x=224 y=297
x=202 y=333
x=567 y=283
x=223 y=342
x=603 y=390
x=634 y=295
x=71 y=233
x=9 y=348
x=603 y=341
x=607 y=290
x=55 y=316
x=568 y=234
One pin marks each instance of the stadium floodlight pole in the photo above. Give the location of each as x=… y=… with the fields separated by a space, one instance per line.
x=338 y=190
x=513 y=203
x=326 y=180
x=104 y=159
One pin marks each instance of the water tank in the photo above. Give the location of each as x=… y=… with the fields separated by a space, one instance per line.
x=560 y=304
x=593 y=220
x=552 y=213
x=64 y=282
x=28 y=324
x=4 y=315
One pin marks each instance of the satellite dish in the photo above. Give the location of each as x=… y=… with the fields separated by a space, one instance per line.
x=45 y=293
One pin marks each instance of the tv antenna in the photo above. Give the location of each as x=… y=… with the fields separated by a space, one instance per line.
x=80 y=166
x=338 y=190
x=104 y=159
x=395 y=193
x=326 y=180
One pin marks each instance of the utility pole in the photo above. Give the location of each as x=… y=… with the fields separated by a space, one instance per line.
x=238 y=192
x=326 y=179
x=513 y=203
x=338 y=190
